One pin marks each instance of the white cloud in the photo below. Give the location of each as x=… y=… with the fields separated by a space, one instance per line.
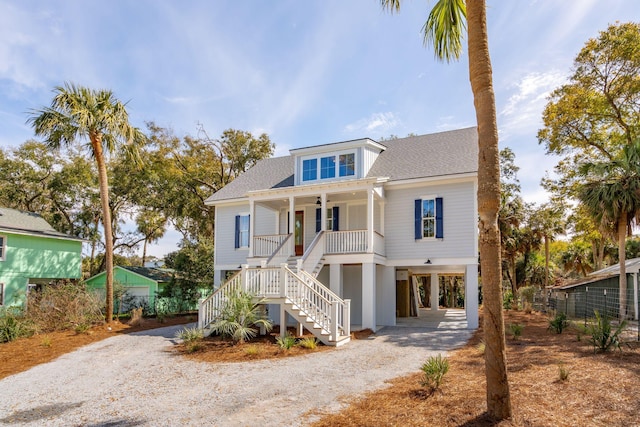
x=523 y=110
x=377 y=122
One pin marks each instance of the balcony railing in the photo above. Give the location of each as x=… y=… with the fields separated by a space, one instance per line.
x=266 y=245
x=346 y=242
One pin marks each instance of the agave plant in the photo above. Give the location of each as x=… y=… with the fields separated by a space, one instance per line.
x=240 y=317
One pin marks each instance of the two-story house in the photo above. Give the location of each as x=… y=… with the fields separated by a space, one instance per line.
x=32 y=254
x=347 y=223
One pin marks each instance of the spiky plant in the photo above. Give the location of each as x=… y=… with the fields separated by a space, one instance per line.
x=240 y=317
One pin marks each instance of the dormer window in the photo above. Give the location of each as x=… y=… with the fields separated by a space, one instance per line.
x=328 y=167
x=347 y=164
x=310 y=170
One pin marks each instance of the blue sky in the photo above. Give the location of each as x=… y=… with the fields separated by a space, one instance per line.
x=304 y=72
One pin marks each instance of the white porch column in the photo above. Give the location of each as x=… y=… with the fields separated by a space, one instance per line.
x=382 y=204
x=369 y=296
x=292 y=222
x=323 y=212
x=471 y=295
x=252 y=221
x=335 y=279
x=435 y=292
x=370 y=220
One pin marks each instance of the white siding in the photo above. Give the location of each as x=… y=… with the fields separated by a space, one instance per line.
x=459 y=221
x=357 y=217
x=368 y=158
x=265 y=221
x=226 y=254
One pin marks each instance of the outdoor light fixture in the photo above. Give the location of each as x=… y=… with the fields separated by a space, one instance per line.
x=428 y=261
x=318 y=202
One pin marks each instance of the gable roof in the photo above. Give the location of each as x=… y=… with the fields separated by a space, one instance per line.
x=439 y=154
x=157 y=274
x=23 y=222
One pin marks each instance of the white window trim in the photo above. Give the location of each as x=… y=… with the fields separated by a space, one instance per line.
x=1 y=294
x=336 y=155
x=3 y=247
x=247 y=214
x=430 y=239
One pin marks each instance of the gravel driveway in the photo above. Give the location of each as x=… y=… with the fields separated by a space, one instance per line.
x=135 y=380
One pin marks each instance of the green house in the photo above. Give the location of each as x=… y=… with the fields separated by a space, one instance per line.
x=141 y=283
x=33 y=254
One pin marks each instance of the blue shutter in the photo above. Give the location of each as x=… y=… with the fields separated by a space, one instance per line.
x=418 y=219
x=439 y=227
x=237 y=231
x=249 y=230
x=336 y=216
x=318 y=219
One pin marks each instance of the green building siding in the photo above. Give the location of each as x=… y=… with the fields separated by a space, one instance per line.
x=36 y=257
x=127 y=278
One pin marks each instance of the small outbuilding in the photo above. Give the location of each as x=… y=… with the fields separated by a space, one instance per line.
x=599 y=291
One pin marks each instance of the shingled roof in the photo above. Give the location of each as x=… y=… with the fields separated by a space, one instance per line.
x=439 y=154
x=22 y=222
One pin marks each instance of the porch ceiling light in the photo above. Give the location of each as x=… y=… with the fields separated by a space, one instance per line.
x=319 y=201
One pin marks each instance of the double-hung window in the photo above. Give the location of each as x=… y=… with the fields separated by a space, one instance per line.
x=328 y=167
x=347 y=164
x=310 y=170
x=428 y=218
x=242 y=231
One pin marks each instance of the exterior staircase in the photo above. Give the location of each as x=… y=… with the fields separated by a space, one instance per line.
x=313 y=305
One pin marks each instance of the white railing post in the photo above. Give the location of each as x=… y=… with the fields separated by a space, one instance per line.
x=283 y=279
x=334 y=320
x=200 y=314
x=243 y=278
x=299 y=263
x=347 y=317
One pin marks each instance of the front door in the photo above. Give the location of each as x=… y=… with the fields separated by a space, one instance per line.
x=299 y=233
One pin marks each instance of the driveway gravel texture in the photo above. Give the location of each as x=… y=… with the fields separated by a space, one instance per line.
x=137 y=380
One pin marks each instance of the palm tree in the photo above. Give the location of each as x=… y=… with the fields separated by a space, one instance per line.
x=445 y=28
x=152 y=225
x=101 y=121
x=611 y=193
x=549 y=220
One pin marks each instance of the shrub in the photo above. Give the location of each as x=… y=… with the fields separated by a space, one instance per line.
x=239 y=317
x=481 y=347
x=136 y=317
x=309 y=343
x=252 y=350
x=526 y=294
x=558 y=323
x=63 y=307
x=434 y=370
x=563 y=372
x=602 y=334
x=189 y=335
x=286 y=342
x=507 y=300
x=515 y=329
x=46 y=341
x=82 y=328
x=14 y=325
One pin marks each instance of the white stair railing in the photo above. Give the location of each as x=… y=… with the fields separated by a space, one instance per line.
x=282 y=252
x=314 y=253
x=307 y=295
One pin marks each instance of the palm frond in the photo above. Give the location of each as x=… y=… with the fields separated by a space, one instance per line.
x=445 y=28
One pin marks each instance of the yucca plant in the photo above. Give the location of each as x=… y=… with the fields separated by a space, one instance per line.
x=434 y=370
x=240 y=317
x=558 y=323
x=286 y=342
x=603 y=335
x=309 y=343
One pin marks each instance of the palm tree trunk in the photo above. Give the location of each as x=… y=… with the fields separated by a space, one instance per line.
x=480 y=74
x=96 y=143
x=622 y=255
